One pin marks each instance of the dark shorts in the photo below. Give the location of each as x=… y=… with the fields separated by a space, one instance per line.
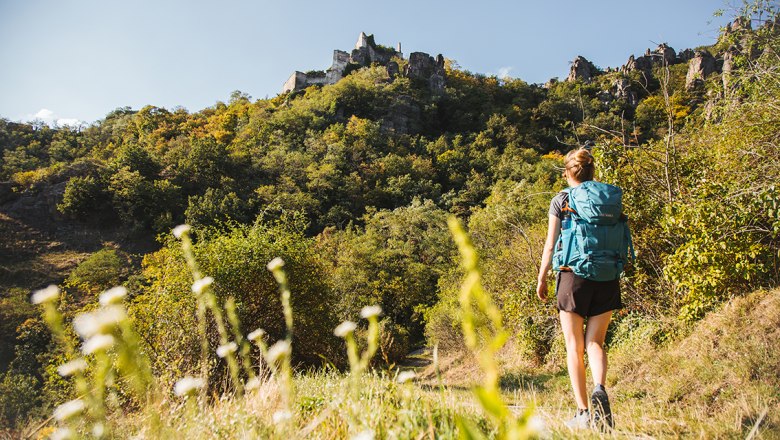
x=586 y=297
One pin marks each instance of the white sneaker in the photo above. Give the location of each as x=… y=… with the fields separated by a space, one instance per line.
x=581 y=420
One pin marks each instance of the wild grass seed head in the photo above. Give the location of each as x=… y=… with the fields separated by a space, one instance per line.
x=278 y=351
x=180 y=230
x=224 y=350
x=114 y=295
x=100 y=321
x=256 y=335
x=46 y=295
x=406 y=376
x=98 y=343
x=199 y=285
x=72 y=367
x=69 y=409
x=344 y=329
x=188 y=385
x=370 y=311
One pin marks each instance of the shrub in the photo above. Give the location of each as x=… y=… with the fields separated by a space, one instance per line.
x=237 y=259
x=18 y=397
x=84 y=196
x=102 y=270
x=395 y=263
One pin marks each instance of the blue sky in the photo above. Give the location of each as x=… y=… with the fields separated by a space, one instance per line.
x=78 y=60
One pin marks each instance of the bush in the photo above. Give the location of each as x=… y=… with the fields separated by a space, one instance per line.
x=102 y=270
x=18 y=398
x=396 y=263
x=237 y=259
x=84 y=196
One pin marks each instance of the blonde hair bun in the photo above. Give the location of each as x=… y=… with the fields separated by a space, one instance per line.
x=580 y=164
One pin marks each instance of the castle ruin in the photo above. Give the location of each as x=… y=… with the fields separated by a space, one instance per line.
x=367 y=52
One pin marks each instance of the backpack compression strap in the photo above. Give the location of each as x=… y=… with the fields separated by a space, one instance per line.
x=573 y=212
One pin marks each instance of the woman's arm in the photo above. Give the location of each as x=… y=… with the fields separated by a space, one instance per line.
x=553 y=230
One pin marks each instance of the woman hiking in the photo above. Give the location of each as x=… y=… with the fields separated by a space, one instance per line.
x=581 y=299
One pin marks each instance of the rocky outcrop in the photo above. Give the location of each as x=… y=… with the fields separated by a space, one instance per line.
x=581 y=70
x=663 y=55
x=642 y=64
x=622 y=89
x=728 y=66
x=403 y=116
x=685 y=55
x=699 y=68
x=424 y=67
x=393 y=70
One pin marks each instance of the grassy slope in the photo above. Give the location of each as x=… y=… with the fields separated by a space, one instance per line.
x=715 y=382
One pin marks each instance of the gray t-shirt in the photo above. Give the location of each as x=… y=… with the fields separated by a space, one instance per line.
x=557 y=204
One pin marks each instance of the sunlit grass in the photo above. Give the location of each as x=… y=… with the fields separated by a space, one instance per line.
x=702 y=386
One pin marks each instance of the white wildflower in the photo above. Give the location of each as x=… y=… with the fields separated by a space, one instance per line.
x=98 y=430
x=188 y=385
x=369 y=311
x=69 y=409
x=281 y=417
x=344 y=329
x=48 y=294
x=100 y=321
x=74 y=366
x=536 y=424
x=198 y=286
x=224 y=350
x=406 y=376
x=364 y=435
x=278 y=351
x=113 y=295
x=97 y=343
x=253 y=383
x=62 y=434
x=275 y=264
x=180 y=230
x=256 y=335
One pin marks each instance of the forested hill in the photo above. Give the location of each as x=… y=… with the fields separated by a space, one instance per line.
x=352 y=183
x=375 y=139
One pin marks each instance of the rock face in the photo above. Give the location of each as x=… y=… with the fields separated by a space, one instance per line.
x=728 y=66
x=621 y=89
x=581 y=70
x=641 y=64
x=662 y=55
x=685 y=55
x=403 y=116
x=424 y=67
x=665 y=55
x=367 y=53
x=699 y=68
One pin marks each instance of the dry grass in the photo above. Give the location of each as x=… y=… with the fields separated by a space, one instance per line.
x=718 y=381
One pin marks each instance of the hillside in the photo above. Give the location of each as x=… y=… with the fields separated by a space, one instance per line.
x=351 y=184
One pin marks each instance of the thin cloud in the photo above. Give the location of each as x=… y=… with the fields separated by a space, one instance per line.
x=45 y=115
x=73 y=122
x=52 y=119
x=503 y=72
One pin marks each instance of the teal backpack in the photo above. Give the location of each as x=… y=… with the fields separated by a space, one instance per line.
x=597 y=243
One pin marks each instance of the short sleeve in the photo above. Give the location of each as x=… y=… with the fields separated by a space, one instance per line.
x=557 y=203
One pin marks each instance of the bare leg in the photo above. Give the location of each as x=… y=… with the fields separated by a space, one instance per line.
x=571 y=324
x=595 y=333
